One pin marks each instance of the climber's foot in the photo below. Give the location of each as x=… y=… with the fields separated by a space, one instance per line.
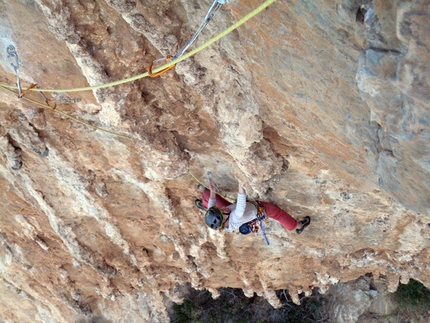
x=199 y=204
x=304 y=223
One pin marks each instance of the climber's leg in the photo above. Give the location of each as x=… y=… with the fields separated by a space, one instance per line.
x=276 y=213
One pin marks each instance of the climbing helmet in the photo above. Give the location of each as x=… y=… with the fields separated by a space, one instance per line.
x=214 y=218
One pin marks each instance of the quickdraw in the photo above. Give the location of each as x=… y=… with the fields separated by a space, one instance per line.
x=13 y=60
x=214 y=8
x=214 y=39
x=22 y=93
x=35 y=86
x=47 y=101
x=151 y=74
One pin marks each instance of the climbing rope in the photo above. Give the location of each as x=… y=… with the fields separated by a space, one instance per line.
x=216 y=192
x=179 y=57
x=45 y=105
x=214 y=8
x=13 y=59
x=170 y=63
x=151 y=74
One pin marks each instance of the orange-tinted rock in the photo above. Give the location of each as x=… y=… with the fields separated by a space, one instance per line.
x=318 y=106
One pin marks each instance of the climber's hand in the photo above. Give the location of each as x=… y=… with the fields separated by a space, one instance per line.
x=240 y=188
x=212 y=186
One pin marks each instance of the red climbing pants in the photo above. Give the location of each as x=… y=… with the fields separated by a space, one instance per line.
x=272 y=211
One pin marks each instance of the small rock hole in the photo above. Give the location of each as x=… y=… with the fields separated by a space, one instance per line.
x=361 y=13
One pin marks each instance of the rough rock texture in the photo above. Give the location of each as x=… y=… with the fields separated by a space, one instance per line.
x=350 y=300
x=359 y=301
x=319 y=106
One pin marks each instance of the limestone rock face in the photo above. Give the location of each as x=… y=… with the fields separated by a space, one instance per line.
x=349 y=301
x=384 y=303
x=321 y=107
x=359 y=301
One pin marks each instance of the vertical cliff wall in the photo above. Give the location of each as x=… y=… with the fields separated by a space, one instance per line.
x=321 y=107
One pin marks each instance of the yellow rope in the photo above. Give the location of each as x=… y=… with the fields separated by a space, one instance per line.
x=151 y=74
x=185 y=56
x=68 y=115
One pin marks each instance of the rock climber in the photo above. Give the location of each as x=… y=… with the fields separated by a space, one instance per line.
x=220 y=213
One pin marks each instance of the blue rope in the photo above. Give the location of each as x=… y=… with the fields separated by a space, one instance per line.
x=263 y=232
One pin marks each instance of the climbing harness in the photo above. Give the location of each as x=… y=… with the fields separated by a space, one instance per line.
x=237 y=24
x=214 y=8
x=246 y=228
x=252 y=226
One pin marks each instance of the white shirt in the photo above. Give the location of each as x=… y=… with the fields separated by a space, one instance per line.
x=241 y=212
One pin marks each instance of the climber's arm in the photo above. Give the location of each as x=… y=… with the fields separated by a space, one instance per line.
x=241 y=201
x=240 y=189
x=212 y=196
x=213 y=189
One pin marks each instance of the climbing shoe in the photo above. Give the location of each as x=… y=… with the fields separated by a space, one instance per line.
x=305 y=222
x=199 y=204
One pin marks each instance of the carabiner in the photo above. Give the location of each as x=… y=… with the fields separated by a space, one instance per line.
x=22 y=93
x=12 y=57
x=47 y=100
x=11 y=54
x=168 y=58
